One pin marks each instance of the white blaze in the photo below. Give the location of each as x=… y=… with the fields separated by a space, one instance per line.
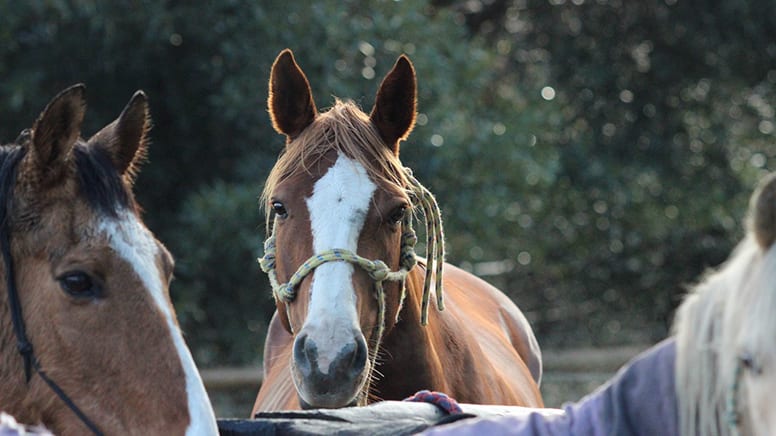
x=338 y=208
x=133 y=242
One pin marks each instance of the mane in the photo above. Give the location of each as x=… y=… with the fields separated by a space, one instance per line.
x=10 y=156
x=346 y=129
x=708 y=329
x=99 y=183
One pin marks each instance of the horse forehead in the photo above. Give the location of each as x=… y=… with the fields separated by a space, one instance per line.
x=135 y=244
x=344 y=176
x=339 y=202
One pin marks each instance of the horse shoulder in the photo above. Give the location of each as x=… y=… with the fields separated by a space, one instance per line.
x=277 y=390
x=475 y=302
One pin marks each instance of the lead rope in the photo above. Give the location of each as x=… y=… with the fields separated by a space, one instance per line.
x=377 y=269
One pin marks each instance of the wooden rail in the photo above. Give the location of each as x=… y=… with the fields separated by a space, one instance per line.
x=232 y=378
x=577 y=360
x=572 y=360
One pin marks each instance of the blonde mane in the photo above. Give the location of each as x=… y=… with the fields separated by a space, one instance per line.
x=732 y=308
x=346 y=129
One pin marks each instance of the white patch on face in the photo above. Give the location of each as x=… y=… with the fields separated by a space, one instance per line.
x=338 y=208
x=133 y=242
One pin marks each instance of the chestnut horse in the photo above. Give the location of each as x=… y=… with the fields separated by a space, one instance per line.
x=352 y=303
x=89 y=342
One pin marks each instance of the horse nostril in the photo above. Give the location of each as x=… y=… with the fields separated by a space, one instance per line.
x=304 y=354
x=359 y=356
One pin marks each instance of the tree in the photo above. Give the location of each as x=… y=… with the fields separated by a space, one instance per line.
x=665 y=127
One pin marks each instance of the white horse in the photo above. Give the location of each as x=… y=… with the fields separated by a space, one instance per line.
x=726 y=335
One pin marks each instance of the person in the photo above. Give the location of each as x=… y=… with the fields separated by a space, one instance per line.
x=714 y=376
x=639 y=400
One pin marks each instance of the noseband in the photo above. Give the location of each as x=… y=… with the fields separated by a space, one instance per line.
x=377 y=269
x=23 y=344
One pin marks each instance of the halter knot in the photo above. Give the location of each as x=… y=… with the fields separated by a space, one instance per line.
x=25 y=349
x=286 y=292
x=267 y=262
x=380 y=271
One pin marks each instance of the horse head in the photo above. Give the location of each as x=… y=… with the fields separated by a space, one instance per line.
x=340 y=201
x=87 y=283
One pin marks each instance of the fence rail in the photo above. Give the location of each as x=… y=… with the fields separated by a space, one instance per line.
x=577 y=360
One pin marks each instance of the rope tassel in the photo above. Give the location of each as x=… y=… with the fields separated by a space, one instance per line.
x=435 y=245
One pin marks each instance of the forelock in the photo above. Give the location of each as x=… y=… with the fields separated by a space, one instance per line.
x=348 y=130
x=103 y=188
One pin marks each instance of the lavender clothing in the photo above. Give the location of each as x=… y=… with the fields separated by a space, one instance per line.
x=639 y=400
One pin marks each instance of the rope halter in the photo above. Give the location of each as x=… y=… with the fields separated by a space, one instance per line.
x=732 y=415
x=377 y=269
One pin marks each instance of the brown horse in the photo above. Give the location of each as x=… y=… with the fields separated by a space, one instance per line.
x=84 y=295
x=349 y=323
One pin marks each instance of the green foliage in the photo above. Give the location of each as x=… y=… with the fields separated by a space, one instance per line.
x=663 y=128
x=220 y=297
x=591 y=158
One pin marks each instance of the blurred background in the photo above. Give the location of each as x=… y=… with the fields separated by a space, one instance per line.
x=591 y=157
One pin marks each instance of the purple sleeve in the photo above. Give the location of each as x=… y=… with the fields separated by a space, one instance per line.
x=639 y=400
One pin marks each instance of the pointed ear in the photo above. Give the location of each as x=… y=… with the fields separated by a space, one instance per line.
x=124 y=140
x=762 y=211
x=290 y=101
x=55 y=133
x=394 y=111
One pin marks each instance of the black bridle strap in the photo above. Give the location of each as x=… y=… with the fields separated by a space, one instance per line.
x=10 y=162
x=22 y=343
x=65 y=399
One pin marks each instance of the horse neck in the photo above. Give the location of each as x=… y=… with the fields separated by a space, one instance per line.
x=408 y=344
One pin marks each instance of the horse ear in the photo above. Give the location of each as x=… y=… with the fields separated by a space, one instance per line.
x=290 y=101
x=762 y=211
x=55 y=133
x=124 y=140
x=394 y=110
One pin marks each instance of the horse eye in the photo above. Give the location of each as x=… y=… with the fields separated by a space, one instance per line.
x=398 y=214
x=749 y=363
x=279 y=209
x=78 y=284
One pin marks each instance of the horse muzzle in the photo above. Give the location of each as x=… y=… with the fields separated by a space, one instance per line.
x=329 y=383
